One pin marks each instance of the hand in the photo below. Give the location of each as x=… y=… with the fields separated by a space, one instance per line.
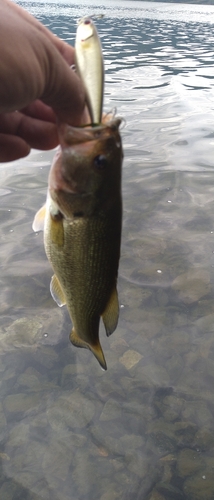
x=37 y=86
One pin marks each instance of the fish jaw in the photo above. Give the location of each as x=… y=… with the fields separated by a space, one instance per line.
x=70 y=185
x=68 y=174
x=90 y=67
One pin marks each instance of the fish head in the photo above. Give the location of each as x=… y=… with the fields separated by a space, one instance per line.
x=90 y=67
x=85 y=31
x=85 y=177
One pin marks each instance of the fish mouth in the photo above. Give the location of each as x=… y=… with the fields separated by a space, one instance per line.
x=60 y=184
x=86 y=38
x=68 y=190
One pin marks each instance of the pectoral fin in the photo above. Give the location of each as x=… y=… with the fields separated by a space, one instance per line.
x=96 y=349
x=57 y=231
x=57 y=292
x=38 y=222
x=111 y=313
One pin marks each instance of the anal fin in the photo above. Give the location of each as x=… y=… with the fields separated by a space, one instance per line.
x=57 y=292
x=111 y=314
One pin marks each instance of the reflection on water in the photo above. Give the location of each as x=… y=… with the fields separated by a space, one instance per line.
x=144 y=429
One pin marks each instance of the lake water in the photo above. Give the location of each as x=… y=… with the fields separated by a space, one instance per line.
x=144 y=429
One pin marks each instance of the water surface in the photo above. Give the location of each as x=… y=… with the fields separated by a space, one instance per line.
x=144 y=429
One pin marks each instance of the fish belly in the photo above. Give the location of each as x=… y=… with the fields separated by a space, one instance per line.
x=86 y=266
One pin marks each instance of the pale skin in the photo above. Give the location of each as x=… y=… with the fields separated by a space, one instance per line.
x=37 y=86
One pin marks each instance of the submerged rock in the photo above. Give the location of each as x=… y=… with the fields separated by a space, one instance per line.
x=21 y=333
x=28 y=332
x=169 y=492
x=132 y=441
x=197 y=411
x=112 y=410
x=70 y=410
x=137 y=463
x=110 y=495
x=204 y=439
x=9 y=490
x=130 y=358
x=18 y=436
x=19 y=403
x=189 y=462
x=56 y=462
x=155 y=495
x=45 y=356
x=3 y=423
x=174 y=366
x=192 y=285
x=200 y=486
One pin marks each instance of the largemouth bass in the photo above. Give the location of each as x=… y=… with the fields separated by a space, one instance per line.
x=82 y=229
x=90 y=67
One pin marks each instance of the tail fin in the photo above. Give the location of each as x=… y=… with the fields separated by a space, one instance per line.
x=95 y=349
x=98 y=353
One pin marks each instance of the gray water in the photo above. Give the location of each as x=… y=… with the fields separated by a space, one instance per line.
x=145 y=428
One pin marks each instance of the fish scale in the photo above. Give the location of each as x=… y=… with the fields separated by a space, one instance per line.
x=89 y=261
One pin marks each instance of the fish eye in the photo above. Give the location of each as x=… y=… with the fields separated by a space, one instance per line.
x=100 y=162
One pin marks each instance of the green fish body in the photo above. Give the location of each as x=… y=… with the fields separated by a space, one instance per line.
x=82 y=229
